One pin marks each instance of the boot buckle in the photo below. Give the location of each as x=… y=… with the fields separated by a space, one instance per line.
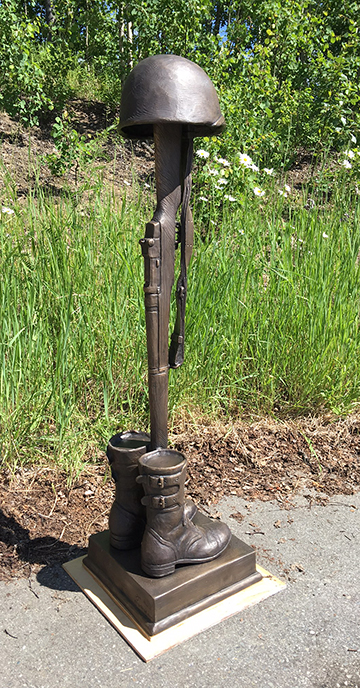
x=154 y=501
x=155 y=481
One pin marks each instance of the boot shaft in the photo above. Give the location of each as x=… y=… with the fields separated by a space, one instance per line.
x=162 y=476
x=124 y=451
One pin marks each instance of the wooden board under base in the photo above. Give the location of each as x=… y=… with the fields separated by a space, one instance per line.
x=149 y=648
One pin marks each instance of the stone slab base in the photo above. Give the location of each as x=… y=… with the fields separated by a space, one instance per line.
x=150 y=647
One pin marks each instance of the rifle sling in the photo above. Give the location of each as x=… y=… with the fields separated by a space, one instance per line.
x=176 y=350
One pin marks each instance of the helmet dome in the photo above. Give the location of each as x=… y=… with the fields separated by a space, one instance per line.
x=169 y=89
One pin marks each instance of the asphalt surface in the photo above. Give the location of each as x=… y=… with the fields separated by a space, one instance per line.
x=51 y=636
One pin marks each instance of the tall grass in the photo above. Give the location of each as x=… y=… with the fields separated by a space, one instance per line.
x=272 y=322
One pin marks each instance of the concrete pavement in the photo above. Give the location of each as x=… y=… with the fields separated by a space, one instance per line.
x=51 y=636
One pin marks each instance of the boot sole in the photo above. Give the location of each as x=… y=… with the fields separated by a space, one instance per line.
x=167 y=569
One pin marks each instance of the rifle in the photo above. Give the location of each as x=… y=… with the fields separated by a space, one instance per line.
x=173 y=158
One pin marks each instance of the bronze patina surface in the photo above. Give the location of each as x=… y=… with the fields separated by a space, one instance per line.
x=171 y=538
x=166 y=89
x=172 y=100
x=127 y=514
x=157 y=604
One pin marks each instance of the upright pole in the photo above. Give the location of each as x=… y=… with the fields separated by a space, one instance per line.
x=158 y=248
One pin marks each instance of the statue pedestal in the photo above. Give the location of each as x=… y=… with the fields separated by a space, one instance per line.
x=156 y=604
x=149 y=648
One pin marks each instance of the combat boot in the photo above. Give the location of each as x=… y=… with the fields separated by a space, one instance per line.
x=127 y=514
x=170 y=537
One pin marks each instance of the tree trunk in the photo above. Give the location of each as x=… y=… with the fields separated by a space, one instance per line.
x=49 y=13
x=87 y=33
x=121 y=33
x=219 y=13
x=130 y=42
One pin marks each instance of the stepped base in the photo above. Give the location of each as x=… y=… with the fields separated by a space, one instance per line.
x=157 y=604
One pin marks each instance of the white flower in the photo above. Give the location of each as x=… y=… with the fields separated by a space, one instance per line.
x=347 y=164
x=245 y=159
x=202 y=153
x=325 y=236
x=343 y=120
x=349 y=153
x=126 y=182
x=230 y=198
x=213 y=172
x=258 y=192
x=338 y=129
x=223 y=161
x=341 y=102
x=254 y=168
x=147 y=186
x=8 y=211
x=282 y=193
x=353 y=138
x=222 y=181
x=241 y=231
x=287 y=187
x=203 y=198
x=268 y=171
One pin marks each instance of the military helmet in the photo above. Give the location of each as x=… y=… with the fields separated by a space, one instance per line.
x=169 y=89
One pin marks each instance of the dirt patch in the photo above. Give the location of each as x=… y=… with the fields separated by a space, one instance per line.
x=44 y=521
x=23 y=154
x=274 y=460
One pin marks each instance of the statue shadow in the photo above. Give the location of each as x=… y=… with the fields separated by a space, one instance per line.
x=47 y=551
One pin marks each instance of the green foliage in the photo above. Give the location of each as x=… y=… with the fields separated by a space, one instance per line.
x=32 y=73
x=294 y=76
x=21 y=77
x=70 y=271
x=72 y=149
x=287 y=72
x=273 y=307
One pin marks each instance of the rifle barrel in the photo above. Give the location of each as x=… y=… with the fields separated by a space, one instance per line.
x=159 y=254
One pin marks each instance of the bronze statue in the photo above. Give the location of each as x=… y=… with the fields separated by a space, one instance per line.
x=172 y=100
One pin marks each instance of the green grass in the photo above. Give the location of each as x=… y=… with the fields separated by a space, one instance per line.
x=273 y=317
x=272 y=322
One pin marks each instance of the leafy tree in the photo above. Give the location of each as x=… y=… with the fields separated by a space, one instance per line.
x=287 y=71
